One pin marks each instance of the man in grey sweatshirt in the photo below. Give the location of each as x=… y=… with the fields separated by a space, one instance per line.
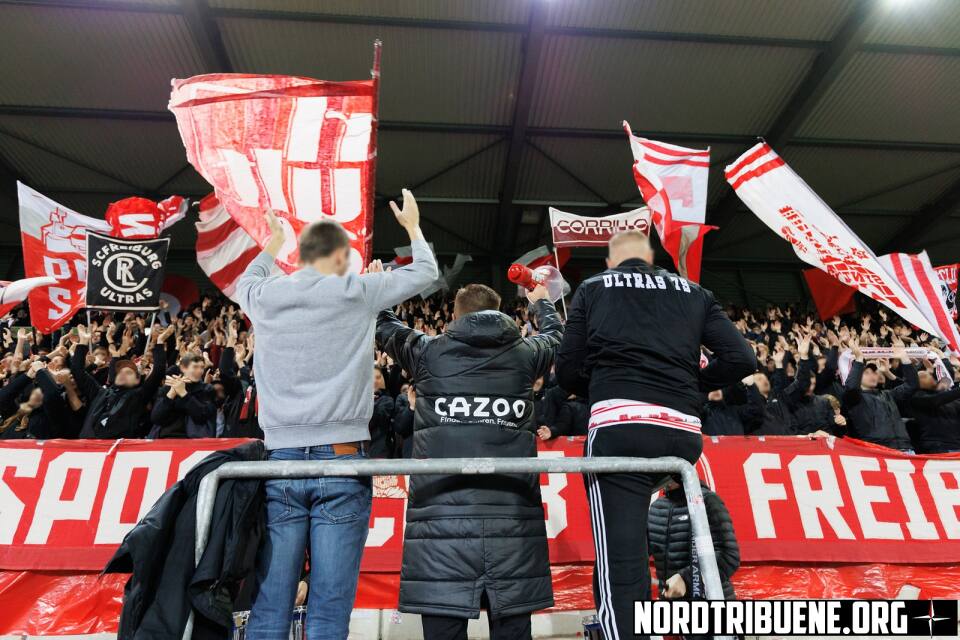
x=314 y=373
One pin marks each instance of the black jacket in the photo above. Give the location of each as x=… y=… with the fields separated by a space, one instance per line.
x=192 y=416
x=112 y=411
x=875 y=416
x=402 y=426
x=936 y=417
x=734 y=415
x=159 y=552
x=474 y=389
x=668 y=529
x=382 y=441
x=634 y=332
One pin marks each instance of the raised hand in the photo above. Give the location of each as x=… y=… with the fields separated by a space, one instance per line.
x=409 y=215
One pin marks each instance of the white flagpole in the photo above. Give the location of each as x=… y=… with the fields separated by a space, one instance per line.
x=563 y=300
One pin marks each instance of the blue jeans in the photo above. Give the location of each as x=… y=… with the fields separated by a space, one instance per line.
x=333 y=514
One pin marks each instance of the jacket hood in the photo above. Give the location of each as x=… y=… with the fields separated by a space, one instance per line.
x=484 y=329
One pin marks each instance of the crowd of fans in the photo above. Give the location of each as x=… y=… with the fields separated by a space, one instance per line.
x=110 y=375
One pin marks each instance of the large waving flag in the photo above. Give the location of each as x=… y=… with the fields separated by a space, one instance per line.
x=54 y=246
x=304 y=148
x=575 y=230
x=673 y=183
x=786 y=204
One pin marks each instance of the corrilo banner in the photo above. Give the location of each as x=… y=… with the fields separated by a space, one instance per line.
x=572 y=230
x=125 y=275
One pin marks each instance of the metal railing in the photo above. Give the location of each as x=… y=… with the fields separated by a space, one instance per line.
x=703 y=541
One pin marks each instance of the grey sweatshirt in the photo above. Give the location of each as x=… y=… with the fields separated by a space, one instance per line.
x=314 y=353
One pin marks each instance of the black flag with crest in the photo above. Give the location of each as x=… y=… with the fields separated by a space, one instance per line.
x=125 y=275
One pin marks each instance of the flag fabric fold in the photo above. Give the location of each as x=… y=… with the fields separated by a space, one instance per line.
x=13 y=293
x=141 y=218
x=917 y=276
x=785 y=203
x=831 y=297
x=224 y=249
x=301 y=147
x=948 y=286
x=673 y=183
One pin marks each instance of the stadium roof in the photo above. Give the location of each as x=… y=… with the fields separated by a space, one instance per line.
x=491 y=110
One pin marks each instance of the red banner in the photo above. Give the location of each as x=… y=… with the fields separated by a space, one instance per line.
x=948 y=286
x=802 y=508
x=67 y=504
x=304 y=148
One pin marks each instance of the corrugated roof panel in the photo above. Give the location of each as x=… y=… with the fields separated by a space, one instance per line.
x=74 y=57
x=606 y=164
x=142 y=153
x=43 y=169
x=930 y=23
x=494 y=11
x=724 y=285
x=845 y=177
x=881 y=96
x=876 y=231
x=402 y=163
x=470 y=228
x=541 y=180
x=914 y=196
x=768 y=286
x=663 y=86
x=428 y=75
x=808 y=20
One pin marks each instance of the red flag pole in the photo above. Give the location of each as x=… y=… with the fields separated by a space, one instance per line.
x=563 y=299
x=372 y=150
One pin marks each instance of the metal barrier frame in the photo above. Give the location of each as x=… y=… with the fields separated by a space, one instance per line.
x=702 y=539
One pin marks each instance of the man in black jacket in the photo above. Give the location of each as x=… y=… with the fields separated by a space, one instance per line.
x=935 y=410
x=873 y=414
x=668 y=530
x=475 y=539
x=632 y=345
x=116 y=410
x=185 y=407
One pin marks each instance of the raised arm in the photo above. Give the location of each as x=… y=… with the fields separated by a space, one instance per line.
x=401 y=343
x=733 y=359
x=572 y=354
x=258 y=271
x=86 y=383
x=545 y=343
x=386 y=289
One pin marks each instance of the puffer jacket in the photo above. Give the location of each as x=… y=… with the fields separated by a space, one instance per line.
x=668 y=529
x=470 y=534
x=875 y=416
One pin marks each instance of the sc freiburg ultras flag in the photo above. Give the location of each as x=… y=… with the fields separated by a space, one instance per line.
x=304 y=148
x=786 y=204
x=673 y=183
x=125 y=275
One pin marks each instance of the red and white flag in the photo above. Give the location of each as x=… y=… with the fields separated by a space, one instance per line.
x=673 y=183
x=916 y=275
x=948 y=286
x=13 y=293
x=574 y=230
x=224 y=249
x=54 y=246
x=304 y=148
x=142 y=218
x=786 y=204
x=542 y=255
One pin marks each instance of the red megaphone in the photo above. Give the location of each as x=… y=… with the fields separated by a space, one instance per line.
x=546 y=275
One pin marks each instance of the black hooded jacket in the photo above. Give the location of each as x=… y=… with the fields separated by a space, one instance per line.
x=159 y=552
x=474 y=389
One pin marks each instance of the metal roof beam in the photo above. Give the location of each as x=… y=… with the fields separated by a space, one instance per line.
x=134 y=115
x=206 y=34
x=507 y=217
x=821 y=75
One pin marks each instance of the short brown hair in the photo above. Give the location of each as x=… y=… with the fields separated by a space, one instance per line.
x=188 y=359
x=320 y=239
x=475 y=297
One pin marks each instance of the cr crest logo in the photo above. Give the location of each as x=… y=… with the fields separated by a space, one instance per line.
x=118 y=272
